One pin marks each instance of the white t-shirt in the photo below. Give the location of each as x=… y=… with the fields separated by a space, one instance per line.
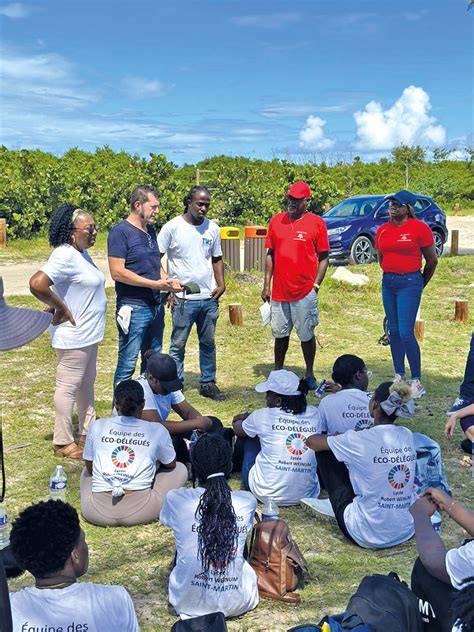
x=125 y=450
x=161 y=403
x=285 y=468
x=381 y=463
x=83 y=607
x=192 y=592
x=82 y=287
x=460 y=564
x=190 y=250
x=345 y=410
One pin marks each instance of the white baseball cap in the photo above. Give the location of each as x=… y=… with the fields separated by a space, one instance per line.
x=281 y=382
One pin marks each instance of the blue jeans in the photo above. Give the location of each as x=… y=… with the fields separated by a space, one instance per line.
x=145 y=332
x=401 y=294
x=466 y=390
x=251 y=450
x=204 y=314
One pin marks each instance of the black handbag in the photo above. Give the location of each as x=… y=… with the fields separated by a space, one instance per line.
x=212 y=622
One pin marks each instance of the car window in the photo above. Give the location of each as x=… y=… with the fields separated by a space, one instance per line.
x=420 y=205
x=383 y=210
x=352 y=208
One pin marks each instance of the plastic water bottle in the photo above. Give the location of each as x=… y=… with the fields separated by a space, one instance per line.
x=270 y=510
x=436 y=521
x=432 y=474
x=58 y=484
x=4 y=532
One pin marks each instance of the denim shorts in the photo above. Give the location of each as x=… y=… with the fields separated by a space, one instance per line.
x=302 y=315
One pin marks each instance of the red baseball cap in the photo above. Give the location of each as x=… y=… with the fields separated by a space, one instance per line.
x=299 y=190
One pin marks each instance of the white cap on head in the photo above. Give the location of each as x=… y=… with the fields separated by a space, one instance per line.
x=281 y=382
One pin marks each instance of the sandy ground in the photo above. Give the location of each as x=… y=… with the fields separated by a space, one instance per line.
x=16 y=275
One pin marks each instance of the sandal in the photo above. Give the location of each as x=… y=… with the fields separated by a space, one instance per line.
x=70 y=451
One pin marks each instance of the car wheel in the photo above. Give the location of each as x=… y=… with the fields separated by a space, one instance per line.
x=362 y=250
x=438 y=243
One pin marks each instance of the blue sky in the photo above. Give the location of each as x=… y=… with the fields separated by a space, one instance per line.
x=304 y=80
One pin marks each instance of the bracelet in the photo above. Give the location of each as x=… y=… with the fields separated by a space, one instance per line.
x=451 y=506
x=316 y=286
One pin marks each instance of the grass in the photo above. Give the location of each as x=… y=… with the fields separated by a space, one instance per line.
x=140 y=558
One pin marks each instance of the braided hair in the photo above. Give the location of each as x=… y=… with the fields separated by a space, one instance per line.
x=217 y=531
x=61 y=224
x=190 y=194
x=295 y=404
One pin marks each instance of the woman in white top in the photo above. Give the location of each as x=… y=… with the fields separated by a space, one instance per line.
x=277 y=463
x=74 y=289
x=130 y=464
x=369 y=474
x=210 y=526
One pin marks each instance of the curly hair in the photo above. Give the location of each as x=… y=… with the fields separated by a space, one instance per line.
x=190 y=194
x=44 y=536
x=129 y=395
x=61 y=224
x=217 y=531
x=345 y=367
x=383 y=391
x=295 y=404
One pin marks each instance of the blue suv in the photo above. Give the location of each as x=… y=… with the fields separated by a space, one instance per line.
x=352 y=225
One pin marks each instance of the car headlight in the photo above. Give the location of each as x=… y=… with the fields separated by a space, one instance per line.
x=338 y=230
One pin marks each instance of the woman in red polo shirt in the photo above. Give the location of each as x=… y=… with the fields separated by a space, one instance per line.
x=401 y=245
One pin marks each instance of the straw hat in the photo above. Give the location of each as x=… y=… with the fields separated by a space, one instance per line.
x=19 y=326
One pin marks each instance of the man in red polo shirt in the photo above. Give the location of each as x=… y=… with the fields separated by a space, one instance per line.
x=297 y=260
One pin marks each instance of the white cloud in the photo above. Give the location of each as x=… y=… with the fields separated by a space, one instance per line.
x=140 y=87
x=407 y=122
x=290 y=110
x=14 y=10
x=312 y=135
x=267 y=21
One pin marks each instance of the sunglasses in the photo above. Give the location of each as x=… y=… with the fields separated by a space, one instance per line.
x=89 y=229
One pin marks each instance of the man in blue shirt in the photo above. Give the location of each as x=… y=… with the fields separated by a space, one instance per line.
x=135 y=266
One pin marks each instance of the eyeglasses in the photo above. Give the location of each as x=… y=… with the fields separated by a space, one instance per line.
x=366 y=371
x=89 y=229
x=151 y=243
x=396 y=205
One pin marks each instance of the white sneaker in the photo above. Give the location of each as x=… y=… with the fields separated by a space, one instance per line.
x=417 y=389
x=321 y=506
x=399 y=378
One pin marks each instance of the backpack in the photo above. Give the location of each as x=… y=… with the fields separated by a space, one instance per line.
x=386 y=604
x=335 y=623
x=212 y=622
x=277 y=561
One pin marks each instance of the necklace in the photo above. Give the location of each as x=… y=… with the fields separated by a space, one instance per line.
x=63 y=584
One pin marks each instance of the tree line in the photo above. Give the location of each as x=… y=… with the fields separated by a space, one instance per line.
x=244 y=190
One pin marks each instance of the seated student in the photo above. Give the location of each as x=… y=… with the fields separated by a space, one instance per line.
x=438 y=575
x=347 y=406
x=130 y=464
x=48 y=541
x=369 y=474
x=163 y=392
x=277 y=463
x=210 y=526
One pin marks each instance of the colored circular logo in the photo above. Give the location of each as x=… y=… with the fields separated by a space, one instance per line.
x=399 y=476
x=296 y=444
x=123 y=456
x=362 y=424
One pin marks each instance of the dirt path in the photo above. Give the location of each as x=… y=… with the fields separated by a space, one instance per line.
x=17 y=274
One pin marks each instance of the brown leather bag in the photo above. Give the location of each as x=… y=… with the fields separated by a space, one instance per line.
x=277 y=561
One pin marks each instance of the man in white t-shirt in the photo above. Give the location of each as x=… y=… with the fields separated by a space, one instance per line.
x=437 y=574
x=47 y=540
x=192 y=244
x=348 y=407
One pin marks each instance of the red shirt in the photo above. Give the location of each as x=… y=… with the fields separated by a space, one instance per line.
x=296 y=245
x=401 y=245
